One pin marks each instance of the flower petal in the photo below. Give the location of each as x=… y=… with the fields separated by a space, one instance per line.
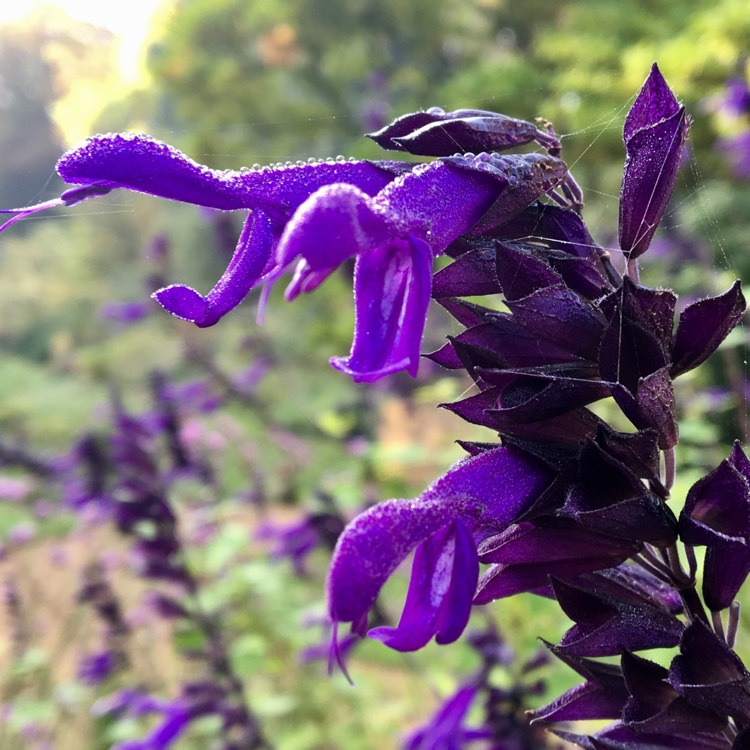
x=392 y=293
x=376 y=542
x=443 y=579
x=248 y=265
x=144 y=164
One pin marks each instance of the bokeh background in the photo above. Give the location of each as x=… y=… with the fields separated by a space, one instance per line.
x=234 y=83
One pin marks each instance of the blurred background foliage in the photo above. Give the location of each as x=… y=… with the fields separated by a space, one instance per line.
x=235 y=83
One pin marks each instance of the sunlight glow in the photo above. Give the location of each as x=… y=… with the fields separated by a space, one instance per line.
x=128 y=20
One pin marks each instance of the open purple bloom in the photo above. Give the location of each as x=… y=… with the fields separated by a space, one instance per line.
x=394 y=236
x=389 y=216
x=444 y=524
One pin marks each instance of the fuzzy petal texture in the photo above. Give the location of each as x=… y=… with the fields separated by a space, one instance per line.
x=144 y=164
x=394 y=236
x=443 y=579
x=247 y=267
x=391 y=294
x=488 y=490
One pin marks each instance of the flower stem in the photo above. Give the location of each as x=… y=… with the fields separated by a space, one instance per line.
x=633 y=271
x=718 y=625
x=669 y=468
x=733 y=622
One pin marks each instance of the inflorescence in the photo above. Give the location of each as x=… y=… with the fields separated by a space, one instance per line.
x=563 y=504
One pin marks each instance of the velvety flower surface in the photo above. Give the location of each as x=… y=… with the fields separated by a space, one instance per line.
x=394 y=236
x=444 y=524
x=323 y=213
x=655 y=130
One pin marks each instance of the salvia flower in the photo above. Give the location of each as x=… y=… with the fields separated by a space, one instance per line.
x=445 y=525
x=563 y=505
x=391 y=216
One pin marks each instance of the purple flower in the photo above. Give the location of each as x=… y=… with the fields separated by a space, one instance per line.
x=446 y=730
x=94 y=669
x=655 y=130
x=124 y=312
x=392 y=217
x=444 y=525
x=737 y=150
x=736 y=99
